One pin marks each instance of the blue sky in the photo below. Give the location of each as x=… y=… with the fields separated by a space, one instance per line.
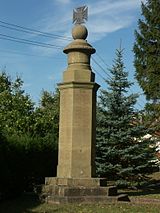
x=41 y=68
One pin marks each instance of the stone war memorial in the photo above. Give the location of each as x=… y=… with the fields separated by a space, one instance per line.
x=76 y=181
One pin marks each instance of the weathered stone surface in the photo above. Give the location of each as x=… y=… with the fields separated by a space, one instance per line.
x=79 y=194
x=76 y=141
x=77 y=111
x=72 y=190
x=74 y=182
x=83 y=199
x=80 y=191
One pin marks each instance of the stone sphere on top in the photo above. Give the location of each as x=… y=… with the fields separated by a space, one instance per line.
x=79 y=32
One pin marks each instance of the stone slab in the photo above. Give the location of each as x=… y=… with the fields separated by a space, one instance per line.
x=86 y=199
x=71 y=182
x=64 y=191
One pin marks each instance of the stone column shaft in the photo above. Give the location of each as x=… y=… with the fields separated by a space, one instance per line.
x=77 y=130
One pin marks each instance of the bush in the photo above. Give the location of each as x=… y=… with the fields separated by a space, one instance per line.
x=25 y=162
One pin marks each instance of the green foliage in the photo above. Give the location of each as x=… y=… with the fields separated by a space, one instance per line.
x=16 y=108
x=18 y=115
x=147 y=50
x=122 y=152
x=28 y=137
x=46 y=116
x=147 y=59
x=24 y=163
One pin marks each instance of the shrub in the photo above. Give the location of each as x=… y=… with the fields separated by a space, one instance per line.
x=25 y=162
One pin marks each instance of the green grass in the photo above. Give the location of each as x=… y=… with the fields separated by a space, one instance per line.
x=30 y=204
x=110 y=208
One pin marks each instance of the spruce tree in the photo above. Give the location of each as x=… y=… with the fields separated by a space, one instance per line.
x=121 y=151
x=147 y=50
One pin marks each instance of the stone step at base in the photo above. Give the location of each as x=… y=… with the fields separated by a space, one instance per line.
x=86 y=199
x=79 y=191
x=71 y=182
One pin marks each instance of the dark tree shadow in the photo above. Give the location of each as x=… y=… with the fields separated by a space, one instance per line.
x=21 y=204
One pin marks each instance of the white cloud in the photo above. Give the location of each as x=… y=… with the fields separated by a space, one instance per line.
x=63 y=1
x=105 y=16
x=113 y=7
x=108 y=17
x=27 y=85
x=51 y=77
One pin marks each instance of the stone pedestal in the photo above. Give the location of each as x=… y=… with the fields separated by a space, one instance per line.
x=80 y=190
x=75 y=180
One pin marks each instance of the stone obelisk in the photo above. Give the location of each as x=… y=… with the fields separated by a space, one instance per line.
x=75 y=180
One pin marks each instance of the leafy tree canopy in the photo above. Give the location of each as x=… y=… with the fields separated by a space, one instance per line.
x=16 y=107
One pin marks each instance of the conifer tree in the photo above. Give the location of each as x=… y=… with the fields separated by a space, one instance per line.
x=147 y=50
x=122 y=153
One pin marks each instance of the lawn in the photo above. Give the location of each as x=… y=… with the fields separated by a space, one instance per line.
x=29 y=204
x=146 y=200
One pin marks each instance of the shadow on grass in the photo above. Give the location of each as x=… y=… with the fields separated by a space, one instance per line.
x=143 y=192
x=22 y=204
x=152 y=188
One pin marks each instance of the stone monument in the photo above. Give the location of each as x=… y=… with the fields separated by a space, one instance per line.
x=77 y=110
x=75 y=181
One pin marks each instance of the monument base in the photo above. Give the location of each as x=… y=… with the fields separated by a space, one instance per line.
x=82 y=190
